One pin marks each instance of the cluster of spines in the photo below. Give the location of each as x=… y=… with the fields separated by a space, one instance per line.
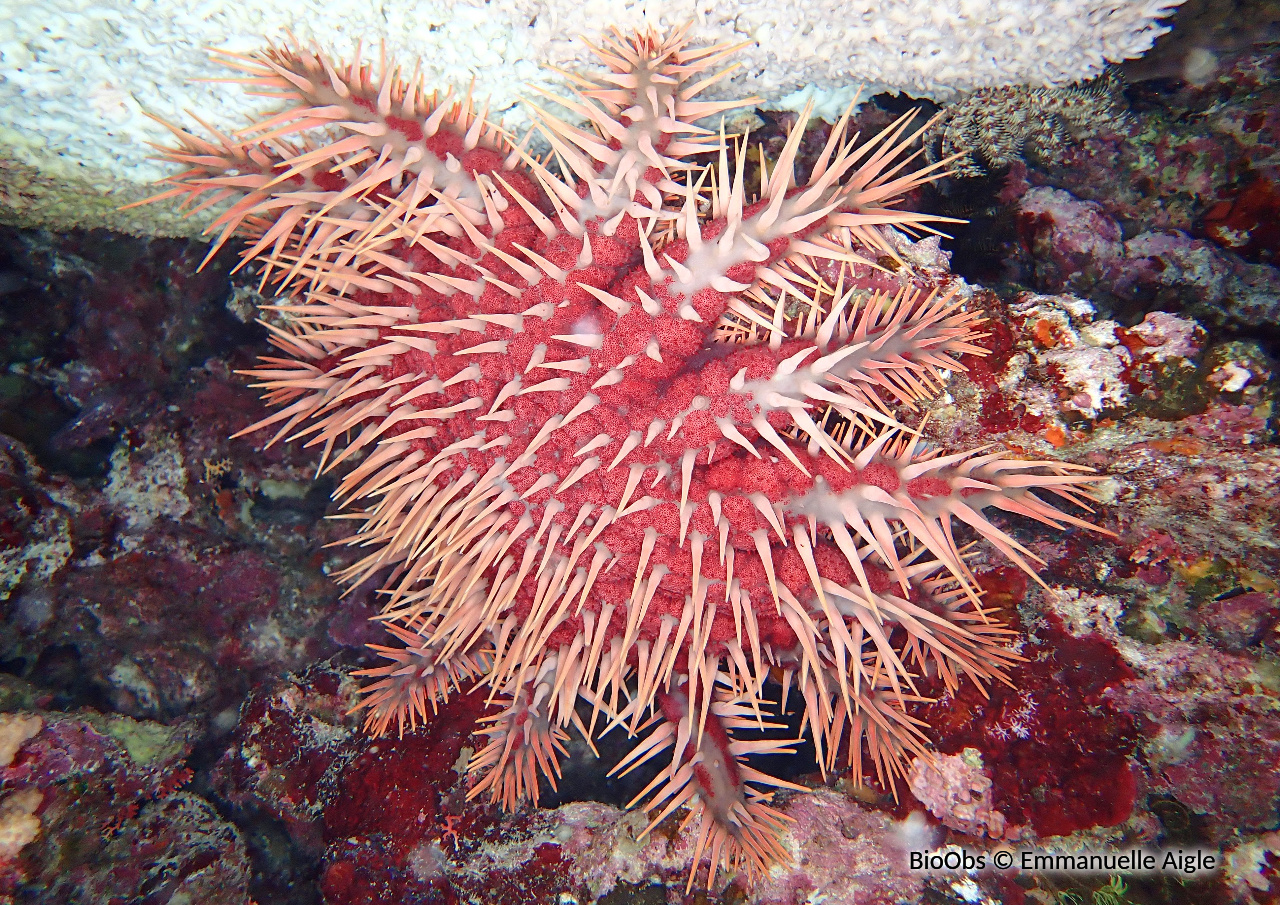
x=491 y=567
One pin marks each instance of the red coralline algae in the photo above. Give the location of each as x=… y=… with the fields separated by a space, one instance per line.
x=622 y=432
x=1212 y=736
x=1055 y=746
x=1247 y=224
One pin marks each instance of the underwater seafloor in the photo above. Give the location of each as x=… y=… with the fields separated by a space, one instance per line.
x=174 y=660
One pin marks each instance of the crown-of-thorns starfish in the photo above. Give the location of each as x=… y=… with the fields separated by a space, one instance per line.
x=619 y=430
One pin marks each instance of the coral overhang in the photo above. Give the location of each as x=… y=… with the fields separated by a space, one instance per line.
x=618 y=430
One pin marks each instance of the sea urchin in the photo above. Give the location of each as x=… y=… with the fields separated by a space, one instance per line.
x=617 y=432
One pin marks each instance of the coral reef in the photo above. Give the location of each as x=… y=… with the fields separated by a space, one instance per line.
x=93 y=808
x=1143 y=712
x=430 y=845
x=154 y=551
x=291 y=770
x=1077 y=246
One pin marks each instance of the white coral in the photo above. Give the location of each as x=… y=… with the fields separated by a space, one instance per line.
x=79 y=76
